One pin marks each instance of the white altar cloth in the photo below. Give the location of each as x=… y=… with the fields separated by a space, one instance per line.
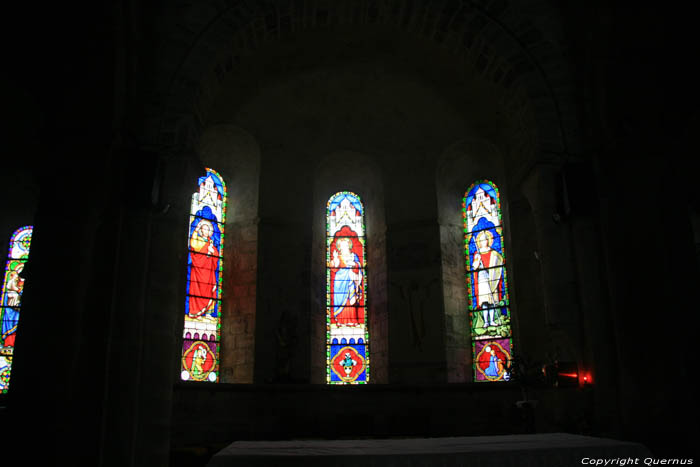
x=536 y=450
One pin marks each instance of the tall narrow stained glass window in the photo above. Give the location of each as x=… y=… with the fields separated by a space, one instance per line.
x=347 y=336
x=205 y=241
x=11 y=298
x=488 y=304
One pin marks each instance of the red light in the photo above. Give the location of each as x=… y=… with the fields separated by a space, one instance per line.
x=570 y=375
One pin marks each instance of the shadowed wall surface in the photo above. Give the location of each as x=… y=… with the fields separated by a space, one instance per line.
x=581 y=114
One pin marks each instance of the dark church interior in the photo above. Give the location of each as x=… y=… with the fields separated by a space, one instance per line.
x=581 y=112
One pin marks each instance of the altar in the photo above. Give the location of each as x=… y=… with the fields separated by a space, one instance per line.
x=536 y=450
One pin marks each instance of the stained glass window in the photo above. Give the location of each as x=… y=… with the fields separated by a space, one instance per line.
x=205 y=241
x=11 y=298
x=487 y=284
x=347 y=337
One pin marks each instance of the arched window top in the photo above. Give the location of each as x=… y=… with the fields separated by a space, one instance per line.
x=345 y=209
x=487 y=284
x=205 y=241
x=211 y=195
x=347 y=336
x=335 y=200
x=481 y=203
x=11 y=298
x=20 y=242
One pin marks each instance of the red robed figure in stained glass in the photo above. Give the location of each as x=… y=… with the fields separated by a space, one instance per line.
x=201 y=333
x=347 y=336
x=205 y=261
x=346 y=278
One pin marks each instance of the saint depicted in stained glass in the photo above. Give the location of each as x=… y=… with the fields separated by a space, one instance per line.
x=346 y=268
x=205 y=239
x=346 y=290
x=200 y=353
x=11 y=298
x=488 y=304
x=492 y=359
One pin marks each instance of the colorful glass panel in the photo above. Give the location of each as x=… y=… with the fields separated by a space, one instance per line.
x=487 y=285
x=491 y=359
x=347 y=337
x=11 y=298
x=205 y=241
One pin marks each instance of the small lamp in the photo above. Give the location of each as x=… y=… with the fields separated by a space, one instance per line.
x=562 y=374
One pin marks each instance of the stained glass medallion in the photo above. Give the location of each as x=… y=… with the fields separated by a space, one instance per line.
x=11 y=298
x=491 y=357
x=201 y=334
x=487 y=285
x=347 y=337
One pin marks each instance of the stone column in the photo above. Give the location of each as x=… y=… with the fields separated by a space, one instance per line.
x=571 y=258
x=652 y=280
x=555 y=256
x=60 y=371
x=164 y=301
x=142 y=345
x=416 y=318
x=599 y=357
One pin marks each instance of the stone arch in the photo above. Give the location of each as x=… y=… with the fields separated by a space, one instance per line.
x=521 y=61
x=523 y=58
x=331 y=176
x=460 y=165
x=235 y=154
